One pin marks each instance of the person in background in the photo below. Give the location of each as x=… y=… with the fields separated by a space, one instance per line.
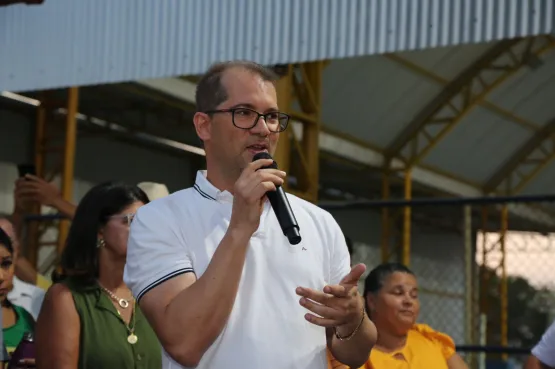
x=35 y=190
x=90 y=319
x=391 y=294
x=543 y=354
x=26 y=295
x=16 y=321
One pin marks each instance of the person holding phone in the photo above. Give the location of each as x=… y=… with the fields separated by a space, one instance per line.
x=29 y=188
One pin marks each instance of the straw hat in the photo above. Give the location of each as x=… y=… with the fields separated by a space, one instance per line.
x=154 y=190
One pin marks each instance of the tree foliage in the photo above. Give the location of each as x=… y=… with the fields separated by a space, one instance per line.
x=528 y=311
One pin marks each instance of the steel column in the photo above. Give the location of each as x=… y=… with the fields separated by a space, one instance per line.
x=55 y=143
x=386 y=219
x=512 y=178
x=284 y=90
x=503 y=285
x=501 y=269
x=302 y=84
x=407 y=219
x=33 y=229
x=68 y=160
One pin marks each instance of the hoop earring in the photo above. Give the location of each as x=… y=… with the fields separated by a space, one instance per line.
x=100 y=243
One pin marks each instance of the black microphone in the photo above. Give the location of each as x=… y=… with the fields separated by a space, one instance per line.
x=281 y=206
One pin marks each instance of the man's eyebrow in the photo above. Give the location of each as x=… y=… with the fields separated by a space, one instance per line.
x=242 y=105
x=250 y=106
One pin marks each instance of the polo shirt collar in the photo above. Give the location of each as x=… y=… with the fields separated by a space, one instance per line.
x=208 y=191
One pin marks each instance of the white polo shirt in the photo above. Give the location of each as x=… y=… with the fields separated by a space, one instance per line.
x=266 y=329
x=544 y=351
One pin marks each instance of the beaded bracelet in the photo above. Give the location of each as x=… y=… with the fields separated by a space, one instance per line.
x=348 y=337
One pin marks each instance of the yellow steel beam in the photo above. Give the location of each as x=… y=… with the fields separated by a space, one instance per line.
x=503 y=285
x=68 y=159
x=284 y=90
x=405 y=256
x=526 y=163
x=496 y=109
x=54 y=154
x=463 y=94
x=33 y=228
x=484 y=275
x=386 y=219
x=302 y=83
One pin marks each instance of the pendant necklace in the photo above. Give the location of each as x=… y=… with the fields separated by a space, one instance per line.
x=121 y=302
x=132 y=337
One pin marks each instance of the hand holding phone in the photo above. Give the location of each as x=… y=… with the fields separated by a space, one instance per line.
x=25 y=169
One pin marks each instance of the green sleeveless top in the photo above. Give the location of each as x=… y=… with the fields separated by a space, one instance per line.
x=103 y=342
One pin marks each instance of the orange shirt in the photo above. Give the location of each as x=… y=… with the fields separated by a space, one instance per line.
x=425 y=349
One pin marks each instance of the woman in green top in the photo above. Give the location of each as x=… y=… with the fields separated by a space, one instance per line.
x=16 y=320
x=89 y=319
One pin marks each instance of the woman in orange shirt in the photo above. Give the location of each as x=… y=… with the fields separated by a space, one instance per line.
x=391 y=294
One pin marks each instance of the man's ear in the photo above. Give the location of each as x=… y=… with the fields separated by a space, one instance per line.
x=202 y=126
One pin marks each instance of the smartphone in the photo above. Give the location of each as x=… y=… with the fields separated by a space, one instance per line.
x=25 y=169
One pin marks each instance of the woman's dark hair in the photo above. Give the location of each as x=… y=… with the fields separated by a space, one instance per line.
x=377 y=276
x=6 y=241
x=79 y=259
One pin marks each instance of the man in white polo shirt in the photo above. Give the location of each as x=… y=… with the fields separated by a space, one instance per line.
x=210 y=266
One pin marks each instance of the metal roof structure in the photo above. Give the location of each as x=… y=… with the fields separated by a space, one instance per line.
x=395 y=89
x=68 y=43
x=459 y=91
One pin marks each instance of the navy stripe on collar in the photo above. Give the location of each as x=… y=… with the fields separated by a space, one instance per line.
x=202 y=193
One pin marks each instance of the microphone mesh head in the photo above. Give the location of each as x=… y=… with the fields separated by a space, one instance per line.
x=265 y=155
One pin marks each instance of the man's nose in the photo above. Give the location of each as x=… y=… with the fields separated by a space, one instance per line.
x=261 y=127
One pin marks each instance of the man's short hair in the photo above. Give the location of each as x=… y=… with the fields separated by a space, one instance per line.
x=210 y=92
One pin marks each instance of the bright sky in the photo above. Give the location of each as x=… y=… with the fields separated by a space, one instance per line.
x=530 y=255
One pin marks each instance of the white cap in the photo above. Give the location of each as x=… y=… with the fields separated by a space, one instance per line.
x=154 y=190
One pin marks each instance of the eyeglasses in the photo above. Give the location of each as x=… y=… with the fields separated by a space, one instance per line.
x=128 y=217
x=245 y=118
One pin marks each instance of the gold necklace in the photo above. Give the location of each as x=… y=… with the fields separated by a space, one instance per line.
x=132 y=337
x=121 y=302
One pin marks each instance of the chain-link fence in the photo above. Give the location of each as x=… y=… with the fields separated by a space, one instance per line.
x=485 y=266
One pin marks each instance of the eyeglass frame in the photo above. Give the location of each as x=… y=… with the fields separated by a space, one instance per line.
x=129 y=217
x=232 y=111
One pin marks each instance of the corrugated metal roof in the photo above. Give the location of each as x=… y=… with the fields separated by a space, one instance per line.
x=77 y=42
